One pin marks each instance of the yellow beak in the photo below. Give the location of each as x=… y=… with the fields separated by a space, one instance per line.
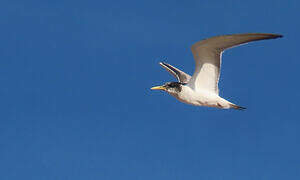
x=158 y=88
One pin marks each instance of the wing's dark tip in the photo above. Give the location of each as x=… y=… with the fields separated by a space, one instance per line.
x=268 y=36
x=277 y=36
x=168 y=66
x=163 y=64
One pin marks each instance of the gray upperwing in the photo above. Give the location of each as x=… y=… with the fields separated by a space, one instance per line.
x=178 y=74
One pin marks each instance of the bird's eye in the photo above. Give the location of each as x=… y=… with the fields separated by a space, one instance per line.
x=172 y=85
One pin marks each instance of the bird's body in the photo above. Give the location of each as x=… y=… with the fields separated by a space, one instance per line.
x=201 y=89
x=200 y=98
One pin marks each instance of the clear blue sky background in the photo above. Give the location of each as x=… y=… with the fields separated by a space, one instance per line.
x=76 y=104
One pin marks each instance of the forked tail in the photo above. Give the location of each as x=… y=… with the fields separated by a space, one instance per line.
x=237 y=107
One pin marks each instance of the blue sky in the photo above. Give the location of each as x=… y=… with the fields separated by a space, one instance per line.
x=76 y=104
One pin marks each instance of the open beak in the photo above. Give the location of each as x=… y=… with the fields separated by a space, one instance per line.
x=158 y=88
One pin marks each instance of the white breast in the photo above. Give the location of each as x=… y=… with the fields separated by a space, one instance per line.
x=200 y=98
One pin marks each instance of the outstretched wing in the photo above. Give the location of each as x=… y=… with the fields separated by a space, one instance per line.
x=207 y=54
x=178 y=74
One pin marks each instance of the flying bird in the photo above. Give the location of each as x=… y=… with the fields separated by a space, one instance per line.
x=201 y=89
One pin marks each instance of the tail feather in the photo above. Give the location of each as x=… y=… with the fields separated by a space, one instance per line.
x=237 y=107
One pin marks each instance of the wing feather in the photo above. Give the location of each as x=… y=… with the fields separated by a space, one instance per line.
x=207 y=54
x=178 y=74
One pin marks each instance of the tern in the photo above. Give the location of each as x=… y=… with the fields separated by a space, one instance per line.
x=201 y=89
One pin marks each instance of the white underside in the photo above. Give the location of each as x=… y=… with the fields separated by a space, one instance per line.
x=201 y=98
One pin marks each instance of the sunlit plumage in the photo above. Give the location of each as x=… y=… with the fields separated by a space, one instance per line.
x=201 y=89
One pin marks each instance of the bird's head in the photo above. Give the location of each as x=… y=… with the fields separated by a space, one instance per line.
x=170 y=87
